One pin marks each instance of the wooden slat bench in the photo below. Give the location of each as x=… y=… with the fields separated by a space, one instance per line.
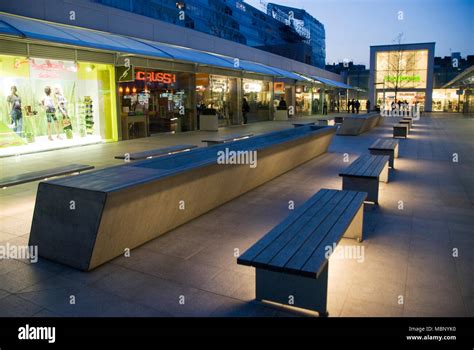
x=400 y=130
x=296 y=125
x=407 y=123
x=158 y=152
x=386 y=147
x=291 y=260
x=409 y=120
x=364 y=175
x=43 y=174
x=226 y=138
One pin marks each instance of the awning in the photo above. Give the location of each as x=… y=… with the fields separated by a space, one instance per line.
x=333 y=83
x=28 y=28
x=462 y=80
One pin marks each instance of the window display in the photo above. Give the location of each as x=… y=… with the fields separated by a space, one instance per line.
x=217 y=94
x=258 y=96
x=155 y=101
x=303 y=100
x=42 y=110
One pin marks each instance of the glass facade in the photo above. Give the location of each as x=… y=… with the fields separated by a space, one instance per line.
x=219 y=94
x=401 y=75
x=47 y=104
x=258 y=95
x=155 y=101
x=237 y=21
x=402 y=69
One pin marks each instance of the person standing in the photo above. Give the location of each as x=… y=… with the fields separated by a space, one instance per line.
x=62 y=107
x=367 y=106
x=48 y=105
x=357 y=106
x=245 y=109
x=349 y=106
x=353 y=106
x=14 y=101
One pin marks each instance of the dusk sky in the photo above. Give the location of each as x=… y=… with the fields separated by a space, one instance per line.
x=353 y=25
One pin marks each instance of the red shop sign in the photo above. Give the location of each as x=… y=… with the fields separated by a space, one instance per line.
x=159 y=77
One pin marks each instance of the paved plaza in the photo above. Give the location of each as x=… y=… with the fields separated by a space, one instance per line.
x=418 y=243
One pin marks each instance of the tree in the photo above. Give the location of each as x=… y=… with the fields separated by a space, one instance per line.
x=400 y=65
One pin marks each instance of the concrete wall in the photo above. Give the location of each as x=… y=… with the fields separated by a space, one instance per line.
x=99 y=17
x=107 y=221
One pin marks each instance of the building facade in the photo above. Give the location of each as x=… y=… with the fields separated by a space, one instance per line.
x=313 y=48
x=285 y=31
x=77 y=85
x=402 y=72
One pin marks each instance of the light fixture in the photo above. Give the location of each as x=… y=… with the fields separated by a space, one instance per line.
x=127 y=90
x=120 y=90
x=134 y=90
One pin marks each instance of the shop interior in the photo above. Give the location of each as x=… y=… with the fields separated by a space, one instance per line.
x=49 y=104
x=155 y=102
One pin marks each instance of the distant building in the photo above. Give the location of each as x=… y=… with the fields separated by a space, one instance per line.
x=299 y=36
x=314 y=51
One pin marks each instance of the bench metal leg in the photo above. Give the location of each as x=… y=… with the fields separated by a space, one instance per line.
x=354 y=230
x=293 y=290
x=362 y=184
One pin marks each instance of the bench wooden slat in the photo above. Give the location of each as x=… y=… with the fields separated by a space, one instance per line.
x=317 y=260
x=309 y=220
x=42 y=174
x=156 y=152
x=312 y=244
x=384 y=144
x=363 y=162
x=366 y=166
x=291 y=248
x=355 y=166
x=252 y=252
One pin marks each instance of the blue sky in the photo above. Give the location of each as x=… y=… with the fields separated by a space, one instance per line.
x=353 y=25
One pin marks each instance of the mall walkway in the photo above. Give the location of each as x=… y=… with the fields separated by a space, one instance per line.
x=408 y=268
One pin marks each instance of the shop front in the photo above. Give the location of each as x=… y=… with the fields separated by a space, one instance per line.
x=49 y=104
x=447 y=100
x=304 y=100
x=217 y=95
x=283 y=100
x=154 y=101
x=257 y=100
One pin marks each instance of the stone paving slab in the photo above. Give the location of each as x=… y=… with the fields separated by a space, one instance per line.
x=407 y=252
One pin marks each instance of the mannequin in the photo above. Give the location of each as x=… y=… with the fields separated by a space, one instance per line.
x=61 y=102
x=16 y=114
x=48 y=105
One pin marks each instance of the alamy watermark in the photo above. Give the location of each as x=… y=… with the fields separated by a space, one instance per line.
x=345 y=252
x=20 y=252
x=402 y=110
x=228 y=156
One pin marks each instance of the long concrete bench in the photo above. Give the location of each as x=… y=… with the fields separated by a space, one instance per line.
x=158 y=152
x=385 y=147
x=364 y=175
x=356 y=125
x=43 y=174
x=226 y=138
x=292 y=260
x=124 y=206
